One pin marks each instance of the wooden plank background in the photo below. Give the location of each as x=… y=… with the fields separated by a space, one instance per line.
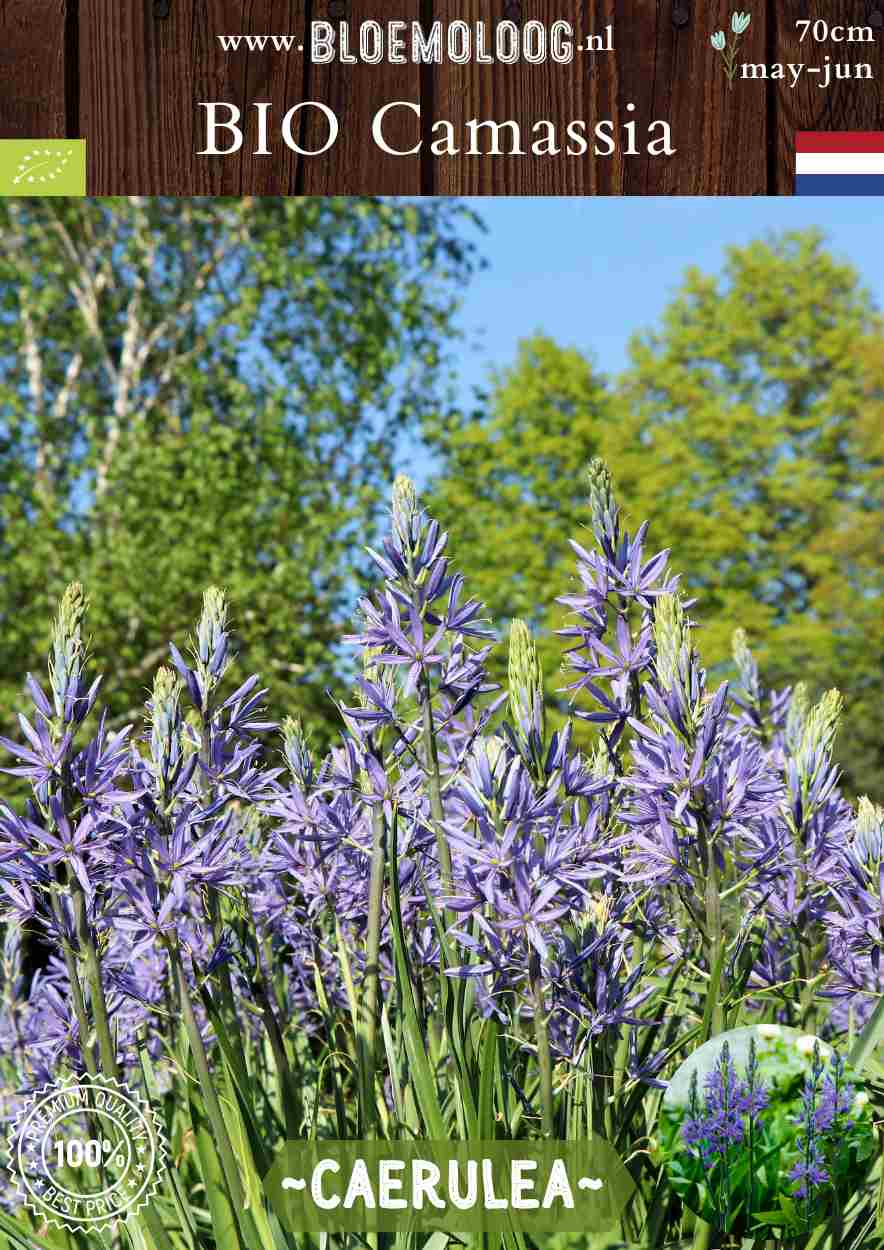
x=128 y=76
x=37 y=98
x=843 y=105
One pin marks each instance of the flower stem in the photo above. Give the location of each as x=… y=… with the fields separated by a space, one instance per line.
x=210 y=1095
x=213 y=907
x=434 y=785
x=372 y=966
x=714 y=943
x=291 y=1100
x=751 y=1073
x=544 y=1055
x=713 y=1019
x=106 y=1048
x=82 y=1016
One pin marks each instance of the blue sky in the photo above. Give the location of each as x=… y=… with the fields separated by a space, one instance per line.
x=589 y=272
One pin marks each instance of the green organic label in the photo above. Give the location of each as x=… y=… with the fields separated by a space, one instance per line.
x=42 y=166
x=463 y=1187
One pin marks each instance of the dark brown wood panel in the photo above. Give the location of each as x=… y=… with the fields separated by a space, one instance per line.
x=628 y=76
x=522 y=93
x=129 y=78
x=355 y=165
x=663 y=64
x=844 y=104
x=720 y=131
x=32 y=69
x=143 y=76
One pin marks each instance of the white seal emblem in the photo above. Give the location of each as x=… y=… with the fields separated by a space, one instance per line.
x=84 y=1153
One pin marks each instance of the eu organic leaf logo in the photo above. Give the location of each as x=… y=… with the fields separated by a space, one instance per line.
x=41 y=166
x=739 y=25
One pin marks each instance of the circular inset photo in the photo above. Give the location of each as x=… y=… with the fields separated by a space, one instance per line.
x=764 y=1129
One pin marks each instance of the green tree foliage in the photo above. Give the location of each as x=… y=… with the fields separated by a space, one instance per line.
x=851 y=598
x=511 y=487
x=747 y=426
x=196 y=391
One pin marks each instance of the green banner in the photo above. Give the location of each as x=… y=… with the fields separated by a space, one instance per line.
x=463 y=1187
x=42 y=166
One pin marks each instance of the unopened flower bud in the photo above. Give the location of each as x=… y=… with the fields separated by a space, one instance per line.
x=164 y=713
x=600 y=761
x=820 y=727
x=405 y=509
x=604 y=513
x=525 y=682
x=71 y=611
x=868 y=815
x=297 y=750
x=211 y=634
x=745 y=661
x=796 y=715
x=68 y=654
x=868 y=838
x=166 y=689
x=672 y=638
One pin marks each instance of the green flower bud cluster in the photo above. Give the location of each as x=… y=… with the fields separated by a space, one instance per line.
x=296 y=749
x=799 y=707
x=164 y=715
x=602 y=505
x=672 y=636
x=211 y=647
x=525 y=681
x=742 y=655
x=406 y=509
x=820 y=728
x=68 y=650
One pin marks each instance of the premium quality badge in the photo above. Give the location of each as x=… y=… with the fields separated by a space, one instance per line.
x=83 y=1153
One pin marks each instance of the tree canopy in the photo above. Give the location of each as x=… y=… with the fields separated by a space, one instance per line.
x=217 y=391
x=511 y=485
x=747 y=428
x=196 y=391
